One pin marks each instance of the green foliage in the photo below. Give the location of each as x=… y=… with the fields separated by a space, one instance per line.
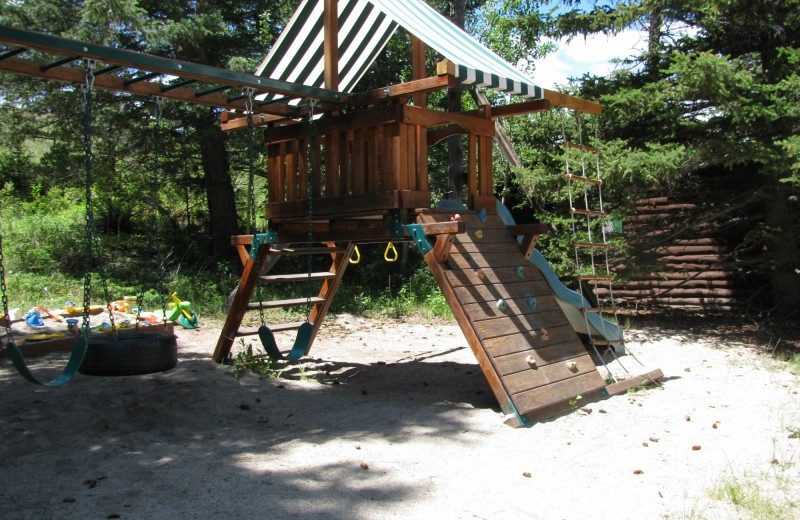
x=43 y=235
x=258 y=363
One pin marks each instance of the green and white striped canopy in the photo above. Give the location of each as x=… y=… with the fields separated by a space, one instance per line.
x=365 y=27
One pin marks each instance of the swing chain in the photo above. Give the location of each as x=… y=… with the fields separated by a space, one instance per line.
x=312 y=146
x=251 y=209
x=6 y=317
x=86 y=101
x=155 y=237
x=92 y=247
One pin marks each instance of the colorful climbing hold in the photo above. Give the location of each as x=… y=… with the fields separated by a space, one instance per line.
x=501 y=304
x=532 y=303
x=479 y=234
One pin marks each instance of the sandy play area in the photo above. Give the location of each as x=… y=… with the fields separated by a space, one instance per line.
x=393 y=419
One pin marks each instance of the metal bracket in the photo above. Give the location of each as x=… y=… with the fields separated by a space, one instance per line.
x=259 y=239
x=418 y=234
x=396 y=224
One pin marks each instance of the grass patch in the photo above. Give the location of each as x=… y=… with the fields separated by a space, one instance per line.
x=756 y=498
x=255 y=362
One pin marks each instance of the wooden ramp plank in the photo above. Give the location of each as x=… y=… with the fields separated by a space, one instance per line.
x=530 y=355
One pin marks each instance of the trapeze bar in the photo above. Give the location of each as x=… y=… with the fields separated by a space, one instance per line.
x=106 y=70
x=148 y=62
x=211 y=91
x=12 y=52
x=59 y=63
x=143 y=77
x=167 y=88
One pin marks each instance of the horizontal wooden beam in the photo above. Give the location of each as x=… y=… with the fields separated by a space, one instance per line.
x=651 y=377
x=350 y=205
x=573 y=102
x=142 y=88
x=514 y=109
x=419 y=86
x=432 y=118
x=330 y=124
x=151 y=63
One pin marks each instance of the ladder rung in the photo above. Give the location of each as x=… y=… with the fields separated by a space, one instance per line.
x=305 y=250
x=589 y=277
x=293 y=302
x=592 y=245
x=299 y=277
x=606 y=341
x=252 y=331
x=588 y=212
x=570 y=176
x=604 y=310
x=583 y=147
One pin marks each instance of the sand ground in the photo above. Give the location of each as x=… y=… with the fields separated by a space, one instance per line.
x=393 y=419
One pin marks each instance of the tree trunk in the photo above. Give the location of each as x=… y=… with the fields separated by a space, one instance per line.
x=219 y=189
x=781 y=210
x=456 y=176
x=654 y=42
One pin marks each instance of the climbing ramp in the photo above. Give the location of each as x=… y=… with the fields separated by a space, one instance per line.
x=526 y=347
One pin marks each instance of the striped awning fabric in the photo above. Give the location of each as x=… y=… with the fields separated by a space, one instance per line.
x=365 y=27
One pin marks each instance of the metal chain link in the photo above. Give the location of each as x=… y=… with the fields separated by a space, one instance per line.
x=251 y=197
x=313 y=143
x=154 y=238
x=92 y=251
x=86 y=102
x=6 y=317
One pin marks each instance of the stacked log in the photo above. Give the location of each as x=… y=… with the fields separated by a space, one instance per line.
x=690 y=270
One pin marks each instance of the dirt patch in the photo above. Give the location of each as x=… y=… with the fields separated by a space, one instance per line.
x=393 y=418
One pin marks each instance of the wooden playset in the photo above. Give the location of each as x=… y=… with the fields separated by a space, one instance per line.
x=347 y=168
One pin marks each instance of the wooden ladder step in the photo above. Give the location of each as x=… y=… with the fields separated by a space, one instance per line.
x=576 y=146
x=298 y=277
x=252 y=331
x=579 y=178
x=292 y=302
x=588 y=212
x=594 y=277
x=592 y=245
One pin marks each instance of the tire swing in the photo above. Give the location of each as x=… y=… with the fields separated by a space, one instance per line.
x=133 y=353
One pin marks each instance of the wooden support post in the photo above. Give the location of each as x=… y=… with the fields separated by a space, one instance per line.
x=252 y=269
x=485 y=165
x=441 y=250
x=418 y=68
x=472 y=162
x=330 y=20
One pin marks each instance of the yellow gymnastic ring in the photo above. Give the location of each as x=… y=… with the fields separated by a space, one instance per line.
x=356 y=257
x=390 y=250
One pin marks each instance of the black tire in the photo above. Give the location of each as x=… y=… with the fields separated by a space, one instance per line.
x=132 y=354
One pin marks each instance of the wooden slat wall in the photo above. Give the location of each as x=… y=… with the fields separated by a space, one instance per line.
x=481 y=269
x=690 y=275
x=354 y=162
